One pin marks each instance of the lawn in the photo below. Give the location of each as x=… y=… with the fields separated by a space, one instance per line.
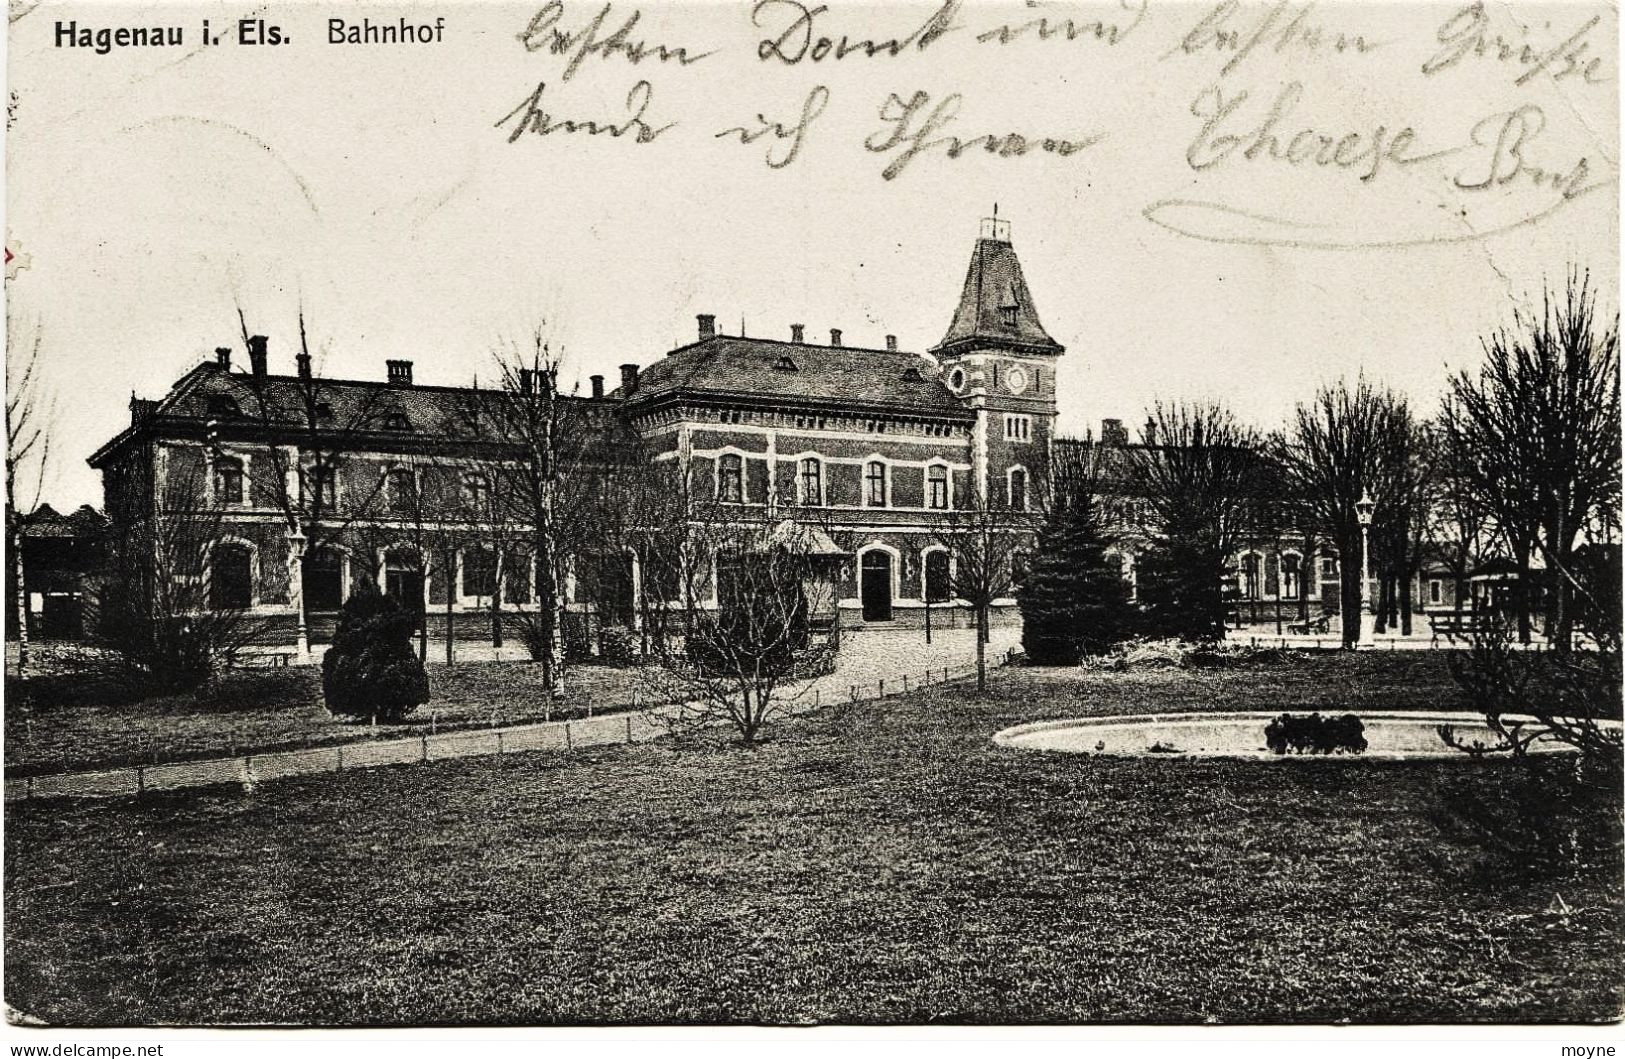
x=878 y=862
x=76 y=716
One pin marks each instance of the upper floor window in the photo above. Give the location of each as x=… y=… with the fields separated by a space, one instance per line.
x=1018 y=489
x=731 y=479
x=228 y=480
x=812 y=481
x=402 y=487
x=319 y=486
x=1007 y=315
x=874 y=480
x=937 y=487
x=1328 y=566
x=1018 y=428
x=477 y=492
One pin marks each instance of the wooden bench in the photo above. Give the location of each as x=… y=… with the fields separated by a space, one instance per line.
x=1313 y=627
x=1453 y=623
x=259 y=660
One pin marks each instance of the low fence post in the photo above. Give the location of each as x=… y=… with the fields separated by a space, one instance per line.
x=629 y=728
x=140 y=778
x=882 y=686
x=568 y=742
x=425 y=747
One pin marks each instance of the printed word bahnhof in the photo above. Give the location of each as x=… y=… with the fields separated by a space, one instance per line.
x=882 y=443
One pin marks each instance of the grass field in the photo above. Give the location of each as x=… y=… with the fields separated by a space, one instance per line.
x=880 y=862
x=77 y=720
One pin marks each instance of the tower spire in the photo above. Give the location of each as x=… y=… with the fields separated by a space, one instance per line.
x=996 y=310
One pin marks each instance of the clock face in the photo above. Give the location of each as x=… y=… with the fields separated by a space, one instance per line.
x=1016 y=379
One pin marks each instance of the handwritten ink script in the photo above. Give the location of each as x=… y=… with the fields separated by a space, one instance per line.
x=1301 y=123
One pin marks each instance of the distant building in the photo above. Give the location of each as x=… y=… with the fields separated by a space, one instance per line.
x=60 y=553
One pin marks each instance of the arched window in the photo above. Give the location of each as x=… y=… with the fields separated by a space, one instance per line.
x=1250 y=576
x=812 y=481
x=228 y=480
x=731 y=479
x=402 y=486
x=1018 y=489
x=938 y=587
x=1291 y=576
x=937 y=486
x=874 y=479
x=231 y=576
x=323 y=580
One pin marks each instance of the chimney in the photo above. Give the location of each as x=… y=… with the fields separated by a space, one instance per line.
x=708 y=326
x=891 y=343
x=798 y=333
x=835 y=336
x=257 y=354
x=629 y=372
x=597 y=386
x=222 y=357
x=1149 y=435
x=303 y=360
x=400 y=372
x=1112 y=432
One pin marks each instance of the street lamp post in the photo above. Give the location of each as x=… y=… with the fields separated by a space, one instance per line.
x=297 y=542
x=1364 y=509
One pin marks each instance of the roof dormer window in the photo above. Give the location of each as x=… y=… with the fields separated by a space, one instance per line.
x=786 y=364
x=223 y=404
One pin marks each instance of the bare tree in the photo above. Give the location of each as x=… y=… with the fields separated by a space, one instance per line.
x=29 y=415
x=987 y=548
x=730 y=663
x=1536 y=434
x=174 y=600
x=1203 y=479
x=1339 y=446
x=552 y=446
x=303 y=429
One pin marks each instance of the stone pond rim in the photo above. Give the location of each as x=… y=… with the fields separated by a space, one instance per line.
x=1394 y=735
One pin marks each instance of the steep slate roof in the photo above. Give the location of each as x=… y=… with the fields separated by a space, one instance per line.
x=844 y=377
x=992 y=284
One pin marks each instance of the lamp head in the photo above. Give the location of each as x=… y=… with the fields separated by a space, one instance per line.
x=1365 y=507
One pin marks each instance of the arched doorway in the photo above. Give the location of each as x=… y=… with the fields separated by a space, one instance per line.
x=875 y=587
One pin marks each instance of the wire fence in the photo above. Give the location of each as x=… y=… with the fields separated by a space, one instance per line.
x=635 y=725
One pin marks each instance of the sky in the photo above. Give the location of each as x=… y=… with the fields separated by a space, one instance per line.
x=1182 y=244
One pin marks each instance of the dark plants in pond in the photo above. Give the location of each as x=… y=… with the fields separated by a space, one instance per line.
x=1314 y=734
x=372 y=670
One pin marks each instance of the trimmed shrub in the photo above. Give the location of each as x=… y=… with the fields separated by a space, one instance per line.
x=1315 y=734
x=372 y=669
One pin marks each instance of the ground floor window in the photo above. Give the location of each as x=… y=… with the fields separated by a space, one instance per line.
x=1435 y=592
x=323 y=580
x=231 y=577
x=937 y=589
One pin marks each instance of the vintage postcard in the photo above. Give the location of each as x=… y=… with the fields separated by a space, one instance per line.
x=774 y=512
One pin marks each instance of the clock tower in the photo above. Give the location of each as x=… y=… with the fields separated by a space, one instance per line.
x=1000 y=362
